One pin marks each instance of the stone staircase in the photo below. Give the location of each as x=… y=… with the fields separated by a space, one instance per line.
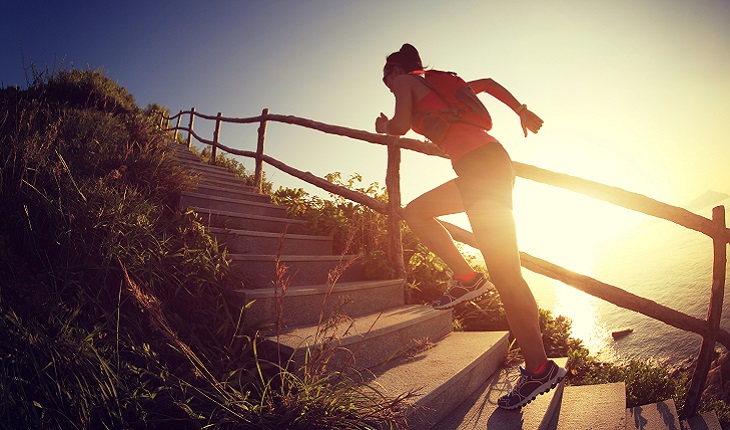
x=589 y=407
x=457 y=376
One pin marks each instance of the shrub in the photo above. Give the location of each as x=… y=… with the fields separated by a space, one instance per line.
x=83 y=195
x=114 y=307
x=87 y=89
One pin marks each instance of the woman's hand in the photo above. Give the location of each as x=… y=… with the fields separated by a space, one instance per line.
x=530 y=121
x=381 y=123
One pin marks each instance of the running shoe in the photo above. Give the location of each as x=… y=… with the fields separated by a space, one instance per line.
x=460 y=291
x=531 y=385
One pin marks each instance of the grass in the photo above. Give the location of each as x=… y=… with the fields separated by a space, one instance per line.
x=325 y=391
x=114 y=305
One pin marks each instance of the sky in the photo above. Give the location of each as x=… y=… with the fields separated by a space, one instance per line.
x=634 y=93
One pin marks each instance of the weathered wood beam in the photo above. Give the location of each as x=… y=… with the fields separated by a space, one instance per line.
x=603 y=291
x=620 y=197
x=714 y=313
x=315 y=180
x=395 y=235
x=614 y=195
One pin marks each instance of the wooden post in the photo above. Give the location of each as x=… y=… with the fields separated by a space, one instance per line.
x=216 y=133
x=704 y=358
x=177 y=124
x=259 y=172
x=392 y=184
x=190 y=126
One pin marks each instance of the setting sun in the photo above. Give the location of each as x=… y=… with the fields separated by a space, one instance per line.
x=567 y=228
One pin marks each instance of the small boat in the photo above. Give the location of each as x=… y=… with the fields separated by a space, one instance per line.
x=618 y=334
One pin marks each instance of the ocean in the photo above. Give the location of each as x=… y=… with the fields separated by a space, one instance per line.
x=658 y=260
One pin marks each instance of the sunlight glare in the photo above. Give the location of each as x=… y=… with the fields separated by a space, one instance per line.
x=566 y=228
x=582 y=309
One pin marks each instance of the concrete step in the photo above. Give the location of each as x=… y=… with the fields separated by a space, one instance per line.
x=303 y=305
x=226 y=180
x=198 y=164
x=480 y=410
x=190 y=160
x=656 y=416
x=663 y=416
x=240 y=193
x=233 y=184
x=706 y=421
x=259 y=271
x=214 y=175
x=257 y=242
x=206 y=171
x=182 y=151
x=186 y=157
x=365 y=341
x=238 y=221
x=449 y=380
x=596 y=407
x=225 y=204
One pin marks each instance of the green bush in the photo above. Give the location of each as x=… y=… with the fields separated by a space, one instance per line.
x=89 y=89
x=86 y=200
x=646 y=382
x=357 y=229
x=114 y=305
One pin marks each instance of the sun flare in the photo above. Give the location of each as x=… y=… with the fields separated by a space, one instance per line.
x=567 y=228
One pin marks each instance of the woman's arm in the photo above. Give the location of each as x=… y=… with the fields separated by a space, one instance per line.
x=497 y=91
x=401 y=122
x=528 y=119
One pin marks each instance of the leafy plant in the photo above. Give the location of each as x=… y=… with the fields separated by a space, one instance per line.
x=115 y=307
x=85 y=196
x=323 y=390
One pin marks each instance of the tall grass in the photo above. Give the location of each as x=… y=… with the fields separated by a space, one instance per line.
x=88 y=197
x=321 y=390
x=115 y=306
x=116 y=309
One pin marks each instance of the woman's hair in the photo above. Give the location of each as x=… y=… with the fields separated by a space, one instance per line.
x=407 y=58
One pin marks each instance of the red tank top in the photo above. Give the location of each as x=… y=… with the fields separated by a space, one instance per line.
x=461 y=138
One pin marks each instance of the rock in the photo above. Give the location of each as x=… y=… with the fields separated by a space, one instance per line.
x=685 y=367
x=618 y=334
x=714 y=377
x=718 y=379
x=724 y=364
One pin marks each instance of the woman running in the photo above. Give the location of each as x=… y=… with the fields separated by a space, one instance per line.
x=482 y=189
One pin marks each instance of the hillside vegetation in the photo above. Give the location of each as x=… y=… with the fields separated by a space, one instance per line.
x=115 y=305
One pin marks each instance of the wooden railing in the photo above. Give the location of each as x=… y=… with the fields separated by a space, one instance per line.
x=715 y=228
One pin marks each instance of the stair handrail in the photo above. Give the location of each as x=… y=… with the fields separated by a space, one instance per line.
x=715 y=228
x=614 y=195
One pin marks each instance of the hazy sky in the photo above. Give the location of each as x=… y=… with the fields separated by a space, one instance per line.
x=634 y=93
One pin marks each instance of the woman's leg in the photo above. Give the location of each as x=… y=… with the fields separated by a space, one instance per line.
x=421 y=213
x=494 y=228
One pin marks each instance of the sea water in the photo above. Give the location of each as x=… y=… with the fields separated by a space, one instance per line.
x=658 y=260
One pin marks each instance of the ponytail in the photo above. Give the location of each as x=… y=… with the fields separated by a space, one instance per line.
x=407 y=58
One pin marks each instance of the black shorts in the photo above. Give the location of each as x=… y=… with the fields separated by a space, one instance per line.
x=485 y=174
